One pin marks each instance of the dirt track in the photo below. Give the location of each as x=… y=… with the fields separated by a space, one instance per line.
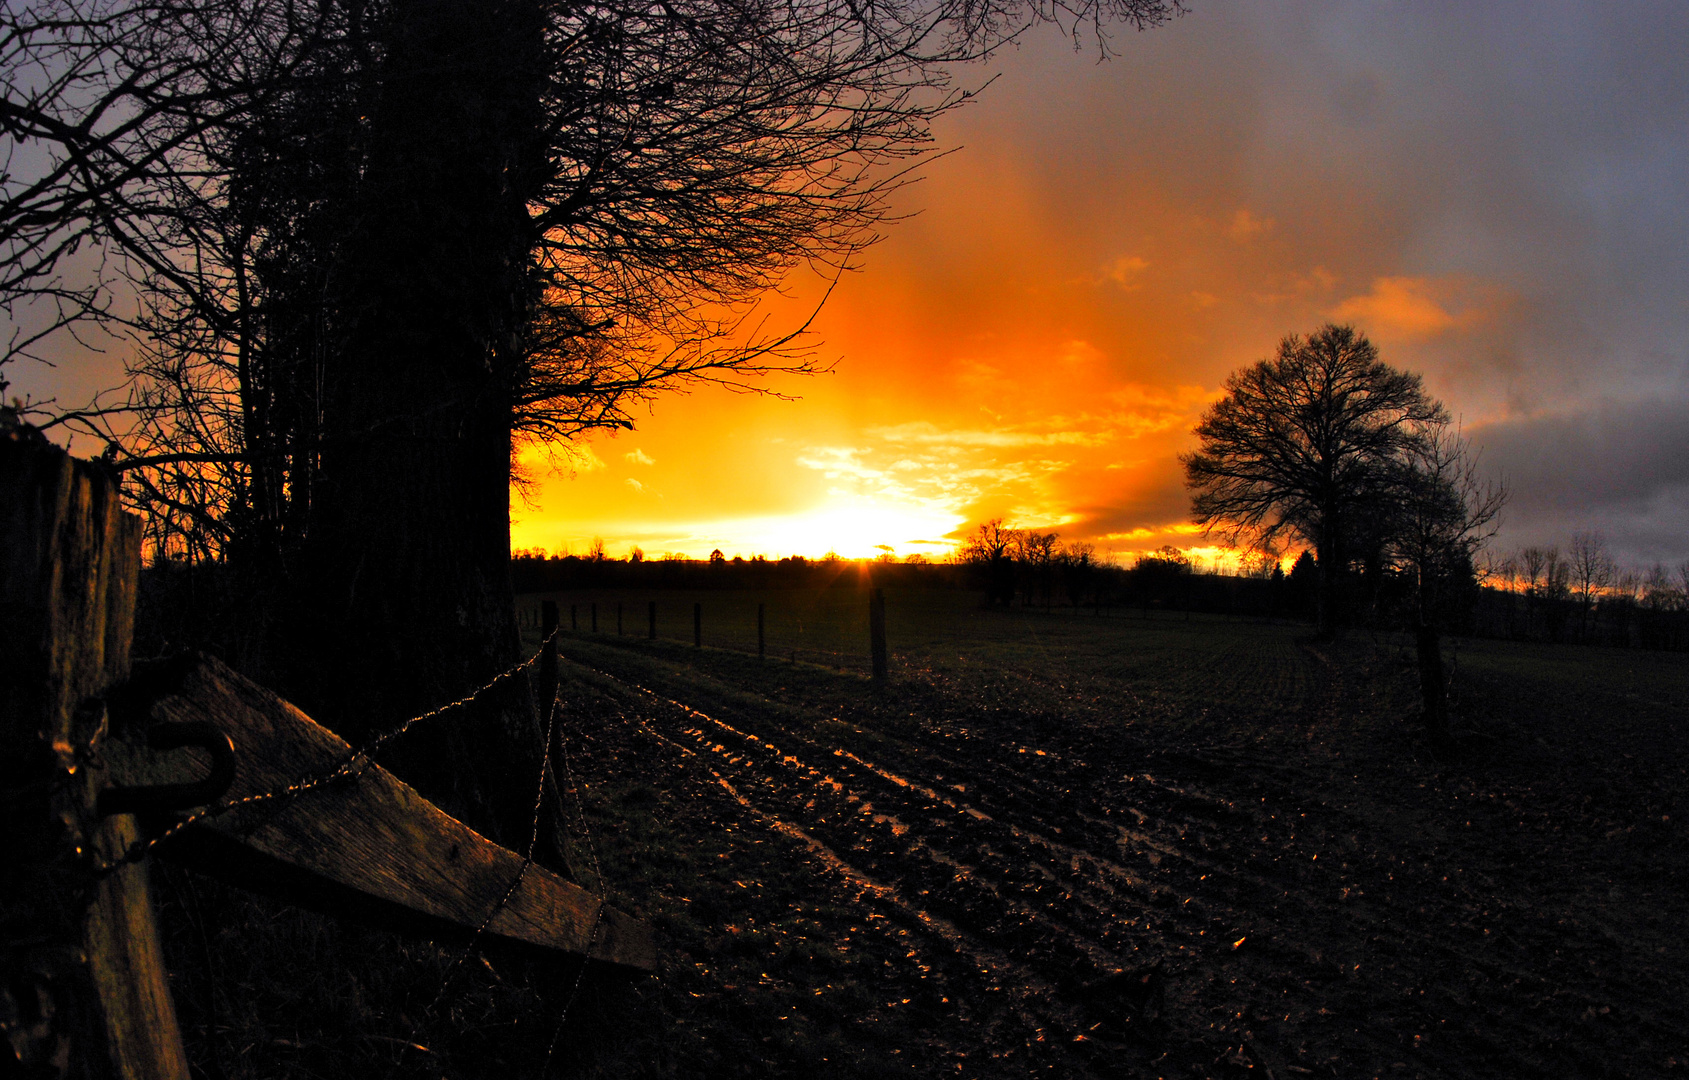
x=1050 y=884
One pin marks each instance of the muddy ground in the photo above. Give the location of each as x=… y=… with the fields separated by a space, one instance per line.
x=1249 y=868
x=1051 y=846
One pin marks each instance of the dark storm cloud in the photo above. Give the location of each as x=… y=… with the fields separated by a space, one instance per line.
x=1498 y=193
x=1621 y=468
x=1612 y=455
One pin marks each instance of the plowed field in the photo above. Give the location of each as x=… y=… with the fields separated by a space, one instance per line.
x=1115 y=847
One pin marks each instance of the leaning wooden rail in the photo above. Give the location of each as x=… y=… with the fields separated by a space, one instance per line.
x=366 y=844
x=83 y=991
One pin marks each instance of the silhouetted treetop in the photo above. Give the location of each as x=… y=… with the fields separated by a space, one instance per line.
x=1304 y=442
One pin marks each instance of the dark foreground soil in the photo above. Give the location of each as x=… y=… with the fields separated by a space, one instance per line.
x=1239 y=865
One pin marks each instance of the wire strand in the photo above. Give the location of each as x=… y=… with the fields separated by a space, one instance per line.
x=350 y=769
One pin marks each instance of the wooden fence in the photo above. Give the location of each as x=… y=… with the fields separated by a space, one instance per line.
x=104 y=767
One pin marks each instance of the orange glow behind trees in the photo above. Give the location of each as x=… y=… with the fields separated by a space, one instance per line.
x=1037 y=340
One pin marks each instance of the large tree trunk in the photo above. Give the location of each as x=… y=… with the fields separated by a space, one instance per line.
x=406 y=601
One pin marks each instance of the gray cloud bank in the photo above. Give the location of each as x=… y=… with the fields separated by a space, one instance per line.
x=1528 y=159
x=1621 y=468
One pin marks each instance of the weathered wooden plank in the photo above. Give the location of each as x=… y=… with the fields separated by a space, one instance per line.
x=370 y=846
x=82 y=967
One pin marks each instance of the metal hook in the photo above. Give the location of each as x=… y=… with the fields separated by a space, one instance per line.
x=165 y=797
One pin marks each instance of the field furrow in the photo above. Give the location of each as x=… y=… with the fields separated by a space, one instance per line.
x=1215 y=876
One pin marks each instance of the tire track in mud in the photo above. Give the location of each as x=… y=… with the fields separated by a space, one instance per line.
x=1036 y=1002
x=1082 y=876
x=825 y=797
x=1055 y=898
x=862 y=776
x=1054 y=939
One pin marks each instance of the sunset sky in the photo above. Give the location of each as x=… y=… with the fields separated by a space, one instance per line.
x=1495 y=193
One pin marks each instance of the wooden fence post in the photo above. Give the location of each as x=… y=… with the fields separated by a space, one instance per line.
x=83 y=989
x=574 y=622
x=760 y=648
x=594 y=609
x=697 y=625
x=82 y=979
x=877 y=632
x=651 y=613
x=548 y=660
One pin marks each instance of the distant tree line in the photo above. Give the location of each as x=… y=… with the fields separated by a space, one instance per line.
x=1581 y=594
x=537 y=571
x=1008 y=567
x=1576 y=595
x=1031 y=566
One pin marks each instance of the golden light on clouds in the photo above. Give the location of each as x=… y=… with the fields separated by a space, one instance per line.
x=1065 y=294
x=1419 y=308
x=1493 y=192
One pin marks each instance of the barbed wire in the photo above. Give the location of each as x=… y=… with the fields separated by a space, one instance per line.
x=553 y=736
x=527 y=857
x=349 y=770
x=603 y=895
x=358 y=760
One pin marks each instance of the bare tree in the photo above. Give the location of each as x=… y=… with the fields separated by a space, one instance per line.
x=1659 y=591
x=1591 y=571
x=100 y=104
x=1443 y=515
x=1507 y=571
x=1034 y=551
x=990 y=551
x=452 y=225
x=1303 y=446
x=1535 y=564
x=1078 y=563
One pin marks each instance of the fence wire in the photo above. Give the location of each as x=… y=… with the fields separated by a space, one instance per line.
x=791 y=638
x=357 y=761
x=349 y=770
x=597 y=875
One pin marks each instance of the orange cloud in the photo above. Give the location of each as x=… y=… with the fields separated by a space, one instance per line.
x=1245 y=226
x=1127 y=271
x=1038 y=341
x=1417 y=308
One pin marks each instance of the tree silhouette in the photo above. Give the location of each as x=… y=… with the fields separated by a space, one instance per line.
x=990 y=552
x=1590 y=571
x=378 y=244
x=1440 y=515
x=1303 y=445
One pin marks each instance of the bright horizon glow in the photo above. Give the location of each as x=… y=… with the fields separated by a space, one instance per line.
x=853 y=530
x=1059 y=300
x=850 y=528
x=1492 y=192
